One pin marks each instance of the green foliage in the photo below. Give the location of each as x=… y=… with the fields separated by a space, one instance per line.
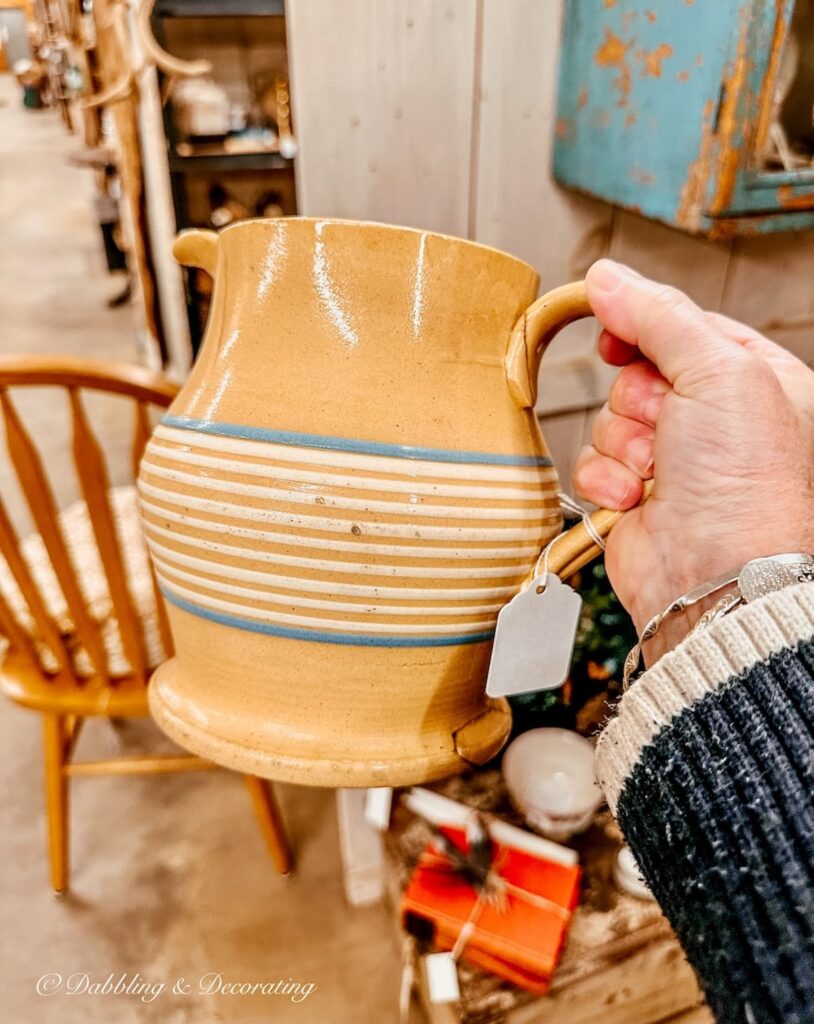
x=606 y=632
x=604 y=636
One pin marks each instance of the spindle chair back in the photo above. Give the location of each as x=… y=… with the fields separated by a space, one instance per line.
x=80 y=663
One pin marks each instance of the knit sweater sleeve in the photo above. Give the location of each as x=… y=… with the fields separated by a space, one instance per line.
x=708 y=766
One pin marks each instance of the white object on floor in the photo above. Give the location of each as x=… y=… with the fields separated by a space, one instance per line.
x=360 y=848
x=549 y=774
x=442 y=978
x=440 y=810
x=627 y=876
x=378 y=802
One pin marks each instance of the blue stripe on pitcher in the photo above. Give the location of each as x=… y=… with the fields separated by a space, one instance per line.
x=344 y=444
x=318 y=636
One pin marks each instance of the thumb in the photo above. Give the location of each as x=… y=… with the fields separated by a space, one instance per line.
x=662 y=322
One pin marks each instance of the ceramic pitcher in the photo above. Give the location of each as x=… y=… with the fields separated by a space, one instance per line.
x=350 y=485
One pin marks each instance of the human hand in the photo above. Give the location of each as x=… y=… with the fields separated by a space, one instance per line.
x=720 y=417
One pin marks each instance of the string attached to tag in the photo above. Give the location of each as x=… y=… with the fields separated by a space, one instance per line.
x=536 y=630
x=568 y=504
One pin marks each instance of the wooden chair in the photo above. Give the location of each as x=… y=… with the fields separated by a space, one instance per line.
x=83 y=627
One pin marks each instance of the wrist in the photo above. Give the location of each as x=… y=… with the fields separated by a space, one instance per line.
x=701 y=563
x=754 y=579
x=678 y=626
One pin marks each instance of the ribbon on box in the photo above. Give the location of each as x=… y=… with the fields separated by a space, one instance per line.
x=483 y=871
x=494 y=891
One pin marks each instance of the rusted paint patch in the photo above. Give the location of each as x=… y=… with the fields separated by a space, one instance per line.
x=727 y=228
x=766 y=107
x=609 y=4
x=683 y=76
x=787 y=199
x=564 y=129
x=650 y=15
x=730 y=146
x=582 y=98
x=653 y=59
x=641 y=176
x=699 y=60
x=719 y=153
x=631 y=119
x=613 y=54
x=694 y=191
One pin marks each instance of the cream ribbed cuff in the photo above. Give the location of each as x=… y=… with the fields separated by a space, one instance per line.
x=698 y=666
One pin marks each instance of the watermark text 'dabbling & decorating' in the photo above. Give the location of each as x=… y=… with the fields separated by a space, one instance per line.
x=213 y=983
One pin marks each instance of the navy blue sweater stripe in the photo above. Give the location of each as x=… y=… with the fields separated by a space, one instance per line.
x=662 y=812
x=735 y=727
x=718 y=811
x=771 y=886
x=789 y=735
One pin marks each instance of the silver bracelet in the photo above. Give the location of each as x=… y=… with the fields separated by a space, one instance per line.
x=755 y=579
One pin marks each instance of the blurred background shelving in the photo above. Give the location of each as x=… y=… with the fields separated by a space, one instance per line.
x=230 y=150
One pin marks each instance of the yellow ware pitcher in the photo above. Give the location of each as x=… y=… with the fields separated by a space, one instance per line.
x=348 y=488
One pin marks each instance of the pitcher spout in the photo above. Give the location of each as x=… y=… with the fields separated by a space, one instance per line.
x=196 y=248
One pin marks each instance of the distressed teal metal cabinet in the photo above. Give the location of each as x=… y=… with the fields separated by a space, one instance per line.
x=695 y=112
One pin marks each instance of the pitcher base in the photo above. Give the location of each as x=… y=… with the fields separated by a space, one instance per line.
x=419 y=760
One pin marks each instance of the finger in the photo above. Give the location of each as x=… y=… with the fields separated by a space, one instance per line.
x=638 y=392
x=734 y=329
x=667 y=327
x=625 y=440
x=788 y=369
x=604 y=481
x=614 y=351
x=746 y=337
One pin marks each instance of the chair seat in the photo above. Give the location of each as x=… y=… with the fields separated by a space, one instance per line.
x=41 y=687
x=26 y=685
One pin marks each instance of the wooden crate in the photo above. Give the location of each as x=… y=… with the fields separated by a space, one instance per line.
x=621 y=965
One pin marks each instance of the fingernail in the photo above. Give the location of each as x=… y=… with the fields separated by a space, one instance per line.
x=608 y=275
x=619 y=490
x=640 y=455
x=652 y=407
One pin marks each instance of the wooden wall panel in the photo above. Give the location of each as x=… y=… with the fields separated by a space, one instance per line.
x=770 y=285
x=564 y=435
x=441 y=114
x=382 y=100
x=517 y=206
x=696 y=265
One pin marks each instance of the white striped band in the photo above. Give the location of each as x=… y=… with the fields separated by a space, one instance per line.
x=172 y=444
x=337 y=540
x=270 y=598
x=372 y=545
x=242 y=513
x=291 y=497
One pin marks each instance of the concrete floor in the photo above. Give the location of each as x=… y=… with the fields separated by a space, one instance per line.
x=171 y=880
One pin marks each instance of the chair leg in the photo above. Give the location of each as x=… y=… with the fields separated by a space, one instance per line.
x=56 y=799
x=271 y=822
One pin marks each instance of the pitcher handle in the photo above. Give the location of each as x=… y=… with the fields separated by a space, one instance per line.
x=197 y=248
x=529 y=340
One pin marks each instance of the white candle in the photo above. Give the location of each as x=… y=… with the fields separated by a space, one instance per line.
x=549 y=774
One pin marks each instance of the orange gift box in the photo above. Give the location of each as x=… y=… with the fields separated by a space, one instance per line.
x=520 y=941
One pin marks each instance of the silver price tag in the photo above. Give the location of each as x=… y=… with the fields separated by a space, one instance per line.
x=534 y=639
